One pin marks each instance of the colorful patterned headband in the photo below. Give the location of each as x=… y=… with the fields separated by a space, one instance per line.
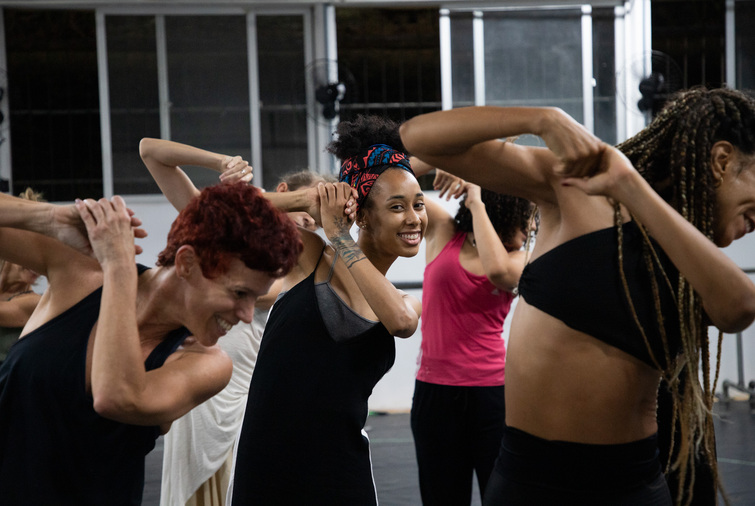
x=361 y=171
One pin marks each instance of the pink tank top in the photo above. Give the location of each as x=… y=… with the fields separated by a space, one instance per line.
x=462 y=323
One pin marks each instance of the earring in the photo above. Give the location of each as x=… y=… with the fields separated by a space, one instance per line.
x=718 y=182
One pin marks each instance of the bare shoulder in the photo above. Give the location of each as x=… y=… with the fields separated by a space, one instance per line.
x=66 y=288
x=313 y=247
x=195 y=357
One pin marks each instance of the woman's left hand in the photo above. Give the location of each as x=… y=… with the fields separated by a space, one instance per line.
x=448 y=185
x=335 y=208
x=109 y=228
x=235 y=168
x=473 y=193
x=614 y=172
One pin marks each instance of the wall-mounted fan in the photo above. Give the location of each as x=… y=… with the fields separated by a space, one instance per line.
x=332 y=85
x=658 y=75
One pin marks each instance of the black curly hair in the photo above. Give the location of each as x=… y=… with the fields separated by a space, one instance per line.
x=508 y=214
x=355 y=137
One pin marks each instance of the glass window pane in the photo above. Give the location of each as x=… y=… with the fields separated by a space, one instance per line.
x=134 y=103
x=283 y=110
x=54 y=103
x=745 y=44
x=208 y=82
x=462 y=60
x=534 y=58
x=604 y=65
x=394 y=55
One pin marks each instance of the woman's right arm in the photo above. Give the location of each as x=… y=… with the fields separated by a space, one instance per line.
x=501 y=267
x=163 y=158
x=465 y=142
x=16 y=312
x=28 y=233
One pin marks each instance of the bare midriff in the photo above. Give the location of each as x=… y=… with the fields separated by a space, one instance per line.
x=564 y=385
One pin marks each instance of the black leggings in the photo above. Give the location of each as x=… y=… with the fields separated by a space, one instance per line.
x=457 y=431
x=530 y=470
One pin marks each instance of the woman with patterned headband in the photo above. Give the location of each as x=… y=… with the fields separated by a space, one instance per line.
x=330 y=335
x=330 y=338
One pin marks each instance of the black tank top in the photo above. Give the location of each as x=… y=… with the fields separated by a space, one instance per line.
x=54 y=448
x=578 y=282
x=301 y=440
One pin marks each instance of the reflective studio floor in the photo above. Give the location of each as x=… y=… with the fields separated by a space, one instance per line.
x=395 y=468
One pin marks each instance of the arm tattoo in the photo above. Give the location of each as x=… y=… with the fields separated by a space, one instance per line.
x=347 y=249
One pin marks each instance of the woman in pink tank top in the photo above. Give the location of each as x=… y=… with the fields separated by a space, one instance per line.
x=473 y=265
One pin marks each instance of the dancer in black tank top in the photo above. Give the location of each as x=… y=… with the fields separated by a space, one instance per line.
x=115 y=352
x=329 y=338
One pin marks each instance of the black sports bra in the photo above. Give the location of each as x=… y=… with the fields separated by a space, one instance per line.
x=578 y=282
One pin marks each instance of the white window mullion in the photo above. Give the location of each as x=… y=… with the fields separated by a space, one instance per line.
x=5 y=155
x=446 y=91
x=104 y=90
x=731 y=45
x=255 y=122
x=588 y=80
x=161 y=45
x=478 y=45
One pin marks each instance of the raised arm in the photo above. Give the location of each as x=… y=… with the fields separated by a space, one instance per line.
x=465 y=142
x=121 y=388
x=727 y=292
x=502 y=268
x=163 y=158
x=397 y=311
x=16 y=312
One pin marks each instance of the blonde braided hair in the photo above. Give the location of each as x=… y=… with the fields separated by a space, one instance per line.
x=673 y=155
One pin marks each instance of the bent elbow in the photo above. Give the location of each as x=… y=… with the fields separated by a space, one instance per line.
x=503 y=280
x=739 y=316
x=145 y=146
x=403 y=327
x=109 y=406
x=407 y=136
x=744 y=319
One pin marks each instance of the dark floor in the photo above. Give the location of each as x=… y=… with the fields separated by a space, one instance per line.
x=396 y=470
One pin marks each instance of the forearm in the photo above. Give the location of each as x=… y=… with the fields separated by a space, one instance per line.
x=727 y=292
x=465 y=142
x=12 y=314
x=499 y=268
x=118 y=374
x=162 y=158
x=439 y=133
x=25 y=214
x=387 y=302
x=299 y=200
x=174 y=154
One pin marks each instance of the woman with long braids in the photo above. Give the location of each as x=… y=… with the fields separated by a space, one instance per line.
x=624 y=280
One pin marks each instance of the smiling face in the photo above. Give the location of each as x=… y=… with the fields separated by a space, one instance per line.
x=395 y=218
x=735 y=199
x=215 y=305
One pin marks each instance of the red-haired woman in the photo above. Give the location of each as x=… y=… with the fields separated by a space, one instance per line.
x=116 y=351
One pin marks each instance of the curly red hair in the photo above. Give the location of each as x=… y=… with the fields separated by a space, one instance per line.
x=229 y=221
